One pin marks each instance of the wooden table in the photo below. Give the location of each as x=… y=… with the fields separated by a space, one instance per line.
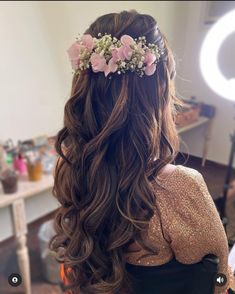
x=32 y=201
x=207 y=122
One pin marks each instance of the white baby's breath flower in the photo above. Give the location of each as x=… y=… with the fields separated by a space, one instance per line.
x=140 y=64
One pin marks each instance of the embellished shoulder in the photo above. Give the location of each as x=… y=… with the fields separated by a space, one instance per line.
x=182 y=177
x=190 y=220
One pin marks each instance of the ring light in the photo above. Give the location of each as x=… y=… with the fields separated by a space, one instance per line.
x=209 y=57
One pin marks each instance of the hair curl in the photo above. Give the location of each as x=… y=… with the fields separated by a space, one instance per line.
x=118 y=133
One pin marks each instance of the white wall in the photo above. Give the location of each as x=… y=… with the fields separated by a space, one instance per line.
x=30 y=102
x=191 y=83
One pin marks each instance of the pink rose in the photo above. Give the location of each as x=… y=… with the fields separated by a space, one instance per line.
x=74 y=54
x=74 y=50
x=75 y=64
x=111 y=67
x=126 y=40
x=115 y=54
x=125 y=52
x=106 y=70
x=87 y=41
x=150 y=69
x=149 y=58
x=98 y=62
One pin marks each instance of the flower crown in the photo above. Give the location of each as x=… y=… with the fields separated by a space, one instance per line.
x=107 y=54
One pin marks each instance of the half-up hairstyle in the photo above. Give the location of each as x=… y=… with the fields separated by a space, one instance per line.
x=118 y=133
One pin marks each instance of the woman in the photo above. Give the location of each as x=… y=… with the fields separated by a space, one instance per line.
x=123 y=204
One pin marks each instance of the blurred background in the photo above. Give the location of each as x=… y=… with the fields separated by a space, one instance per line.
x=35 y=81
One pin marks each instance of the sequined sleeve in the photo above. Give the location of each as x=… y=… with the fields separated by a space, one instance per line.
x=191 y=221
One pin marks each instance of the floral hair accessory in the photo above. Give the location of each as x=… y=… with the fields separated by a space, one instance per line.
x=107 y=54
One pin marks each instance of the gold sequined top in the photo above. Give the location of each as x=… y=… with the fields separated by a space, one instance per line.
x=185 y=225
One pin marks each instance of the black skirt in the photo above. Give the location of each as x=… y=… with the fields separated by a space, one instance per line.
x=174 y=277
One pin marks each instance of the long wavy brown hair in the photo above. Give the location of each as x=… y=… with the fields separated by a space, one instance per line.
x=118 y=133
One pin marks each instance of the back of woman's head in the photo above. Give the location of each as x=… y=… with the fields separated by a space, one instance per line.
x=118 y=133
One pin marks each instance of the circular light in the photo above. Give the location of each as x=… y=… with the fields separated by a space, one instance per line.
x=209 y=57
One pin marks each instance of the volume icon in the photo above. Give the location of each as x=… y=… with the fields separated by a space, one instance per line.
x=220 y=280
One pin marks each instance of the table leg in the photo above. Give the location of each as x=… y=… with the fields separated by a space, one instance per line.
x=20 y=228
x=206 y=141
x=23 y=262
